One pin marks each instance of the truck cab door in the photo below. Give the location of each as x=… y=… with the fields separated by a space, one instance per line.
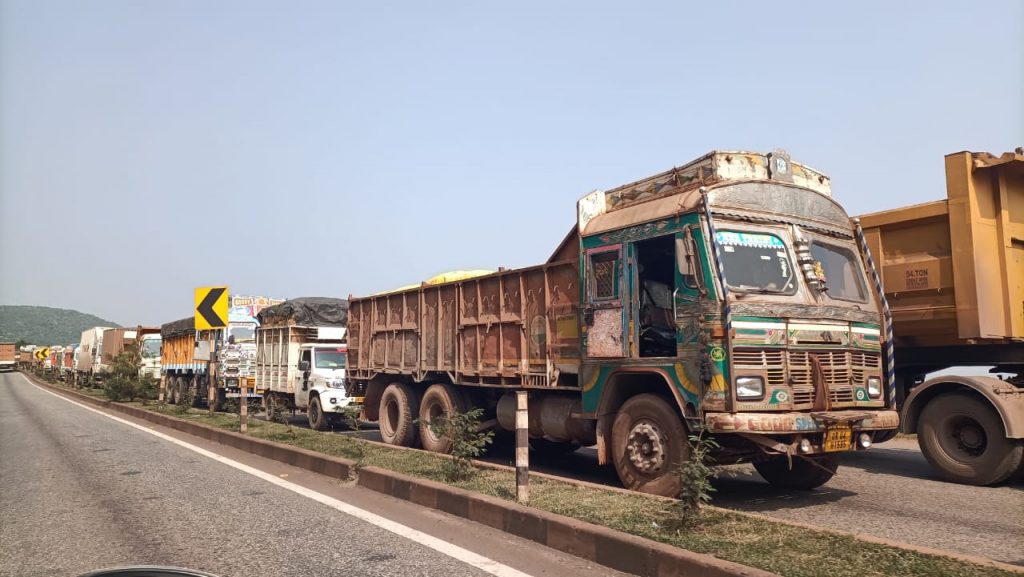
x=302 y=376
x=603 y=312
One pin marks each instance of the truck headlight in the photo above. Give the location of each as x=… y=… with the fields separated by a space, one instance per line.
x=749 y=387
x=874 y=387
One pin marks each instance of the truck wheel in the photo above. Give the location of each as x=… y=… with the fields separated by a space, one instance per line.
x=219 y=399
x=399 y=405
x=648 y=445
x=440 y=400
x=963 y=437
x=548 y=448
x=270 y=406
x=172 y=391
x=315 y=413
x=804 y=475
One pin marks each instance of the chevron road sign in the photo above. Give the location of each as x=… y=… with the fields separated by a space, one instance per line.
x=211 y=307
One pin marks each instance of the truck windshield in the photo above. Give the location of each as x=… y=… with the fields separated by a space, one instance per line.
x=241 y=333
x=330 y=358
x=151 y=348
x=756 y=262
x=842 y=274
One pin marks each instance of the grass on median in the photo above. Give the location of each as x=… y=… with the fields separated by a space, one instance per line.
x=777 y=547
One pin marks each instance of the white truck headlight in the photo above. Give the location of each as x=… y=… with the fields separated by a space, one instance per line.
x=874 y=387
x=749 y=387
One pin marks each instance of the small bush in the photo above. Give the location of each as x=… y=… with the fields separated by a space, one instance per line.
x=695 y=476
x=185 y=400
x=468 y=442
x=147 y=390
x=117 y=388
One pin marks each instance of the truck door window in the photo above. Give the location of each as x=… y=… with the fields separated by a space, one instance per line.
x=604 y=275
x=656 y=263
x=843 y=277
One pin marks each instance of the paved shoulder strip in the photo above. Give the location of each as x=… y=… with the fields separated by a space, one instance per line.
x=454 y=551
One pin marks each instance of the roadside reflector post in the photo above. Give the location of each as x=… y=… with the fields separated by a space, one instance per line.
x=163 y=390
x=211 y=380
x=243 y=411
x=522 y=449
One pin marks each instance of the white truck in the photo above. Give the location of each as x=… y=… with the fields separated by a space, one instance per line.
x=150 y=353
x=87 y=369
x=300 y=360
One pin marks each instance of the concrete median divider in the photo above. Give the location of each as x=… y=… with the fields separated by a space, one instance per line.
x=604 y=546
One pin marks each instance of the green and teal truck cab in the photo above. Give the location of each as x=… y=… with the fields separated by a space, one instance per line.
x=731 y=297
x=734 y=292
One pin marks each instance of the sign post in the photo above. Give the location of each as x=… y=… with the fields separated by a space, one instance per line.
x=211 y=304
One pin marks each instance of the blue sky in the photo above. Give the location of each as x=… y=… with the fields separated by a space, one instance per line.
x=328 y=148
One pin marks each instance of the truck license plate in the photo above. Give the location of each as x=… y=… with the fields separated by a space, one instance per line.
x=837 y=438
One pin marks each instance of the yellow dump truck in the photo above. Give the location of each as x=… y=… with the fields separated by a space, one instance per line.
x=953 y=275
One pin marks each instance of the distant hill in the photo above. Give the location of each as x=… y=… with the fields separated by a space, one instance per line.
x=45 y=325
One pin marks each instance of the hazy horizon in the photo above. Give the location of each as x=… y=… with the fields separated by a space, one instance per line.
x=328 y=149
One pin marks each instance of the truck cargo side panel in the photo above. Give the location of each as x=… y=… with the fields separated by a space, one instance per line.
x=511 y=328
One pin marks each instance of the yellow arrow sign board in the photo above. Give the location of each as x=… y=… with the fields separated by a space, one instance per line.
x=42 y=354
x=211 y=307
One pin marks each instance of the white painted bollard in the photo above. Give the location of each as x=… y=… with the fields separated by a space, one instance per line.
x=163 y=390
x=243 y=412
x=522 y=448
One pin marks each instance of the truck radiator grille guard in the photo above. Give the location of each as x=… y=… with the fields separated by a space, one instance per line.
x=842 y=369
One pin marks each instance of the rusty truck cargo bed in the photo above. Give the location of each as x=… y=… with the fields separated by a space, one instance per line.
x=953 y=269
x=514 y=328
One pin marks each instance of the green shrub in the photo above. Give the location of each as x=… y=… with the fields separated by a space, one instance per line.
x=468 y=442
x=117 y=388
x=695 y=476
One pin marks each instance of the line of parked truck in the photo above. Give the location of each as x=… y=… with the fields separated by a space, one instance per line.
x=732 y=296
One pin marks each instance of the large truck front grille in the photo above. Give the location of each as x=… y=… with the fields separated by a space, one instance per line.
x=842 y=370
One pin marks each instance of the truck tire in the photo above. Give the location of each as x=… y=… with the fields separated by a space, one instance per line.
x=172 y=391
x=648 y=445
x=219 y=399
x=804 y=475
x=315 y=414
x=439 y=400
x=270 y=405
x=963 y=437
x=399 y=405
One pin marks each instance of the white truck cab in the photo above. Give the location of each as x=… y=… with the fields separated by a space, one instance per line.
x=149 y=349
x=301 y=355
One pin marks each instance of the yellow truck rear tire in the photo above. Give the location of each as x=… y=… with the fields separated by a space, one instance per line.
x=963 y=437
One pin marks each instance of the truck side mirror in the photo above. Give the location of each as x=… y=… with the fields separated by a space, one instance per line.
x=303 y=366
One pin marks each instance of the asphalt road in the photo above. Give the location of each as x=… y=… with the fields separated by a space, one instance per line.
x=80 y=491
x=888 y=491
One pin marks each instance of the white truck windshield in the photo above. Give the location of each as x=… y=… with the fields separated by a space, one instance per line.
x=241 y=333
x=330 y=358
x=756 y=262
x=151 y=348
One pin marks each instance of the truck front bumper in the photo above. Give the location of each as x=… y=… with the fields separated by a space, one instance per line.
x=337 y=403
x=813 y=422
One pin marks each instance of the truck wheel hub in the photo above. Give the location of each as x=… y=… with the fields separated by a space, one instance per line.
x=970 y=437
x=645 y=448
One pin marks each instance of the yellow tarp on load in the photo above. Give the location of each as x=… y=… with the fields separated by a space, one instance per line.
x=455 y=275
x=450 y=276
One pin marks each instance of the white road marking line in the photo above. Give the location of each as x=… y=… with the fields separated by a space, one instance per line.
x=454 y=551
